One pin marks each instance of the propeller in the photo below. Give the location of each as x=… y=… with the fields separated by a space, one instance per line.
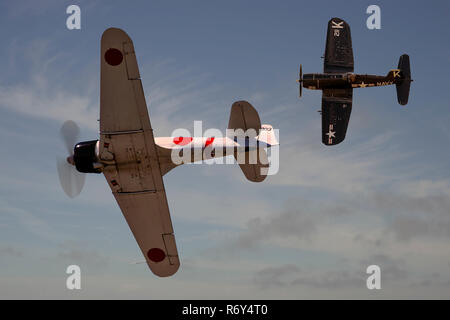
x=300 y=80
x=70 y=179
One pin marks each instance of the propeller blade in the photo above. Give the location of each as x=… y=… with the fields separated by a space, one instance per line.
x=70 y=179
x=69 y=133
x=300 y=80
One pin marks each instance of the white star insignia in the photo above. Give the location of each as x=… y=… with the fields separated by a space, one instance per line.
x=363 y=85
x=331 y=134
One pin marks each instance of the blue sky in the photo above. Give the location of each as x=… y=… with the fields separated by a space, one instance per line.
x=381 y=197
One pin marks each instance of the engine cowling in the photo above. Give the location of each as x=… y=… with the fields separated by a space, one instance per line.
x=85 y=157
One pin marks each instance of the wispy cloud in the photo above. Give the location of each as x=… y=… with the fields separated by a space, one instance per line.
x=46 y=93
x=41 y=100
x=43 y=91
x=75 y=255
x=338 y=277
x=349 y=169
x=10 y=251
x=394 y=217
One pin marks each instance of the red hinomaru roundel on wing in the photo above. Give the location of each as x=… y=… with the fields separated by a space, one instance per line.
x=156 y=255
x=113 y=57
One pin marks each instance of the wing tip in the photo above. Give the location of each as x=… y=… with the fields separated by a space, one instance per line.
x=163 y=270
x=114 y=32
x=334 y=143
x=336 y=19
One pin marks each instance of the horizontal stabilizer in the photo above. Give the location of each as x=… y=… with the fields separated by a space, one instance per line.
x=267 y=136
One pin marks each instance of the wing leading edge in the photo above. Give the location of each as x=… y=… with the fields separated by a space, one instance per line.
x=126 y=139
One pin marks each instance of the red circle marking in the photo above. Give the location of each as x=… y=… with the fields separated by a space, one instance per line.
x=156 y=255
x=209 y=141
x=182 y=141
x=113 y=57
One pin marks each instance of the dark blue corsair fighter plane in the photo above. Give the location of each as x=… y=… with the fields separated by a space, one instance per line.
x=338 y=80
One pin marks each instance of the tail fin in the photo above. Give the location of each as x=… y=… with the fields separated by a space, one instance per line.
x=404 y=84
x=244 y=116
x=255 y=163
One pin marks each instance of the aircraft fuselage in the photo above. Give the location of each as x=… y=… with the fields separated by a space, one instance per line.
x=321 y=81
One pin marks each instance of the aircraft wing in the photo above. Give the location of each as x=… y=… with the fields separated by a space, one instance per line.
x=126 y=140
x=338 y=56
x=336 y=110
